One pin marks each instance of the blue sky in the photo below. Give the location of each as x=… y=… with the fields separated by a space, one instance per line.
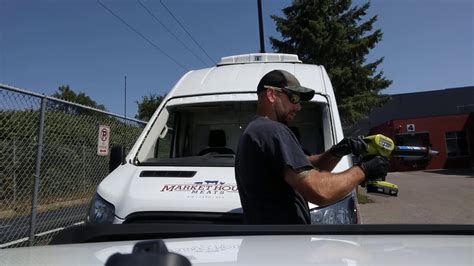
x=427 y=44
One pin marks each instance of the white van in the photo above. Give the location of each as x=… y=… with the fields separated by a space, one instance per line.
x=181 y=169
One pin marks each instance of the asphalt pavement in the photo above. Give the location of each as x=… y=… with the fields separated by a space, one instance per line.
x=425 y=197
x=13 y=229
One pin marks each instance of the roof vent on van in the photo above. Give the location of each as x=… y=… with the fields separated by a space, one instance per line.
x=259 y=58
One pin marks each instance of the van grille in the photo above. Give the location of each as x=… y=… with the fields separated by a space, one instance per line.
x=184 y=174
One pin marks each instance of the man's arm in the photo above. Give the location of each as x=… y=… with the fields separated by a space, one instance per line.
x=324 y=188
x=329 y=159
x=325 y=161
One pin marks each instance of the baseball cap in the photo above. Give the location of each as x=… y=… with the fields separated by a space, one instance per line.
x=284 y=79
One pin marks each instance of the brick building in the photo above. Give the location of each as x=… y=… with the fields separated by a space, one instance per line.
x=442 y=120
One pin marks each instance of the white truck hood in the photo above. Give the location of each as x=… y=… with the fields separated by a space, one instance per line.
x=156 y=188
x=270 y=250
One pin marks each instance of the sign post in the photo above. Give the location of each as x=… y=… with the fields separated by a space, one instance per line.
x=103 y=141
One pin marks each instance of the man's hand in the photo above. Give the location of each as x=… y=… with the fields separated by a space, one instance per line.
x=374 y=167
x=356 y=146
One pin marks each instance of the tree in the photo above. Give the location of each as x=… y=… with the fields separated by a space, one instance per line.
x=331 y=33
x=67 y=94
x=69 y=154
x=148 y=106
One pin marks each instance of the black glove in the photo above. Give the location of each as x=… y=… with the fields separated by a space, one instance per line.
x=356 y=146
x=374 y=167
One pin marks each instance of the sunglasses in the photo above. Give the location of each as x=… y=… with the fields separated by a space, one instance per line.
x=292 y=96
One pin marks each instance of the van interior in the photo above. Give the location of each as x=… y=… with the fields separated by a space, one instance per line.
x=207 y=134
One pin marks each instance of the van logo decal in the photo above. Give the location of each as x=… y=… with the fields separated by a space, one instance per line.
x=207 y=187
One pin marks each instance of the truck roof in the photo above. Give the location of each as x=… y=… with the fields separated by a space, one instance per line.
x=241 y=73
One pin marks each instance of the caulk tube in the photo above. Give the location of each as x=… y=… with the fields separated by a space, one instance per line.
x=413 y=151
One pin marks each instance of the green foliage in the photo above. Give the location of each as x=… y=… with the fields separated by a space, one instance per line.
x=363 y=198
x=67 y=94
x=148 y=106
x=331 y=33
x=70 y=166
x=18 y=132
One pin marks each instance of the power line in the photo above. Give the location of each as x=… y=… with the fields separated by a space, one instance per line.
x=169 y=31
x=141 y=35
x=189 y=34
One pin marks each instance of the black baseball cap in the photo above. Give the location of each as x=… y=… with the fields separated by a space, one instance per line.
x=284 y=79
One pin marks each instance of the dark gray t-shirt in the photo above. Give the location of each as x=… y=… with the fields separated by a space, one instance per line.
x=265 y=149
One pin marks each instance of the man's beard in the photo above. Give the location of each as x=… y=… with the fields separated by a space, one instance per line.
x=283 y=117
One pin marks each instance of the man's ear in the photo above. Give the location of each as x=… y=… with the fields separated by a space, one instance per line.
x=271 y=95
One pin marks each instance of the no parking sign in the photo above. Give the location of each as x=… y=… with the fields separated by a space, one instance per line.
x=103 y=141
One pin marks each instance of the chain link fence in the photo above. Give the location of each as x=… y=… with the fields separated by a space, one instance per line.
x=49 y=167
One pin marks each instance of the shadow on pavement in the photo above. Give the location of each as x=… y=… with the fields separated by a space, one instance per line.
x=467 y=172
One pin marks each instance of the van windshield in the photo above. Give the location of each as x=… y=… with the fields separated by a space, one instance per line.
x=207 y=134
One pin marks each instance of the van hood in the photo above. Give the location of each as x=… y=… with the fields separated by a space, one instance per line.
x=180 y=189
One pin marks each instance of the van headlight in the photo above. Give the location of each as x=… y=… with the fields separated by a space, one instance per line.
x=100 y=211
x=341 y=212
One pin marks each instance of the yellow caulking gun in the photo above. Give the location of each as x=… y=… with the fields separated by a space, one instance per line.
x=384 y=146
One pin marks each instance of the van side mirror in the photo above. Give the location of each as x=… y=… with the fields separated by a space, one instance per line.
x=117 y=157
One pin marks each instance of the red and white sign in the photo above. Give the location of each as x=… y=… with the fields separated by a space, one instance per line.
x=103 y=141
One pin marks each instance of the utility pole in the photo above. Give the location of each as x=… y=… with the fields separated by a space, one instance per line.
x=260 y=26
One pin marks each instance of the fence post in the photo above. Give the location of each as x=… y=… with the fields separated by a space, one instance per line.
x=39 y=154
x=14 y=172
x=84 y=176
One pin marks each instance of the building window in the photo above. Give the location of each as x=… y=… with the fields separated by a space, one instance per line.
x=456 y=144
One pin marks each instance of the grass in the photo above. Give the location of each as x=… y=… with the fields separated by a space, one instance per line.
x=363 y=198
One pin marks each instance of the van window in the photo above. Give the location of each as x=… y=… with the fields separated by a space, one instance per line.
x=207 y=134
x=164 y=145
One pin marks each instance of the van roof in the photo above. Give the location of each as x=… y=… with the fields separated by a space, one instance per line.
x=241 y=73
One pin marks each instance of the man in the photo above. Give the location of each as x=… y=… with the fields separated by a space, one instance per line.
x=274 y=177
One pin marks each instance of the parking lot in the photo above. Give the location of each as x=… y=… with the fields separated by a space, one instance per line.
x=425 y=197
